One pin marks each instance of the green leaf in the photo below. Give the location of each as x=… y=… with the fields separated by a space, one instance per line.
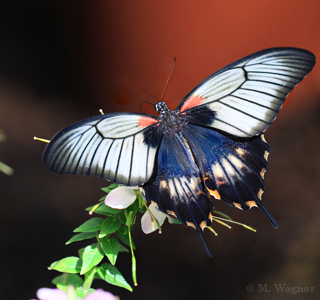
x=123 y=236
x=123 y=248
x=174 y=221
x=123 y=218
x=111 y=275
x=92 y=255
x=80 y=292
x=81 y=236
x=111 y=248
x=97 y=276
x=69 y=264
x=91 y=225
x=142 y=209
x=66 y=279
x=80 y=252
x=110 y=188
x=104 y=210
x=133 y=208
x=221 y=214
x=110 y=225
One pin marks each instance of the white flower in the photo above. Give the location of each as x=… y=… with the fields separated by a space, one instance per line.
x=148 y=223
x=121 y=197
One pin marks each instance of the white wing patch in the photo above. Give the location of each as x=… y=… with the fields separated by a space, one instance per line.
x=247 y=95
x=111 y=146
x=222 y=85
x=120 y=126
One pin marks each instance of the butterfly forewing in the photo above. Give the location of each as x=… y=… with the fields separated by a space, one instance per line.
x=116 y=147
x=246 y=96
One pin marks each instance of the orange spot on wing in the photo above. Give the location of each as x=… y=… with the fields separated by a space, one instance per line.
x=193 y=101
x=146 y=121
x=237 y=205
x=170 y=212
x=203 y=224
x=260 y=193
x=251 y=203
x=154 y=203
x=191 y=224
x=214 y=193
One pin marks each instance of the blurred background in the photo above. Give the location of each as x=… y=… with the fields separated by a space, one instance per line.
x=58 y=61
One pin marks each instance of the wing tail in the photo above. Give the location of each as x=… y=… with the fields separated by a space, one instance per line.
x=204 y=242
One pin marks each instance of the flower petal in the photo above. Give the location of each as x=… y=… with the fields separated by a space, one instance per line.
x=121 y=197
x=146 y=220
x=101 y=295
x=51 y=294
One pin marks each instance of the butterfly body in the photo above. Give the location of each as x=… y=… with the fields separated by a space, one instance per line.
x=210 y=147
x=168 y=119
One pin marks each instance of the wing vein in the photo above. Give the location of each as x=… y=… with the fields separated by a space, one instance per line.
x=94 y=153
x=265 y=93
x=234 y=108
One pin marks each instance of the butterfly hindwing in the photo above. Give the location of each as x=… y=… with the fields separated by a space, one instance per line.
x=245 y=97
x=231 y=170
x=118 y=147
x=176 y=186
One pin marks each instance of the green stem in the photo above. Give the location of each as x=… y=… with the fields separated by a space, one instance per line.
x=134 y=263
x=88 y=278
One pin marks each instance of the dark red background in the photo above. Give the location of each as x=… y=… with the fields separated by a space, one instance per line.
x=57 y=65
x=138 y=41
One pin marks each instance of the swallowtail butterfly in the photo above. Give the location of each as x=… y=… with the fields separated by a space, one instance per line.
x=212 y=144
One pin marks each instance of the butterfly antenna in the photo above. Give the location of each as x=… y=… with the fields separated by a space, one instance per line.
x=145 y=102
x=165 y=87
x=136 y=88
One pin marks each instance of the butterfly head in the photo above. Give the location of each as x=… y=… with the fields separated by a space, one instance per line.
x=161 y=107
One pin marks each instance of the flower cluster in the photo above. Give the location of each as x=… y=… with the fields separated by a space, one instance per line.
x=123 y=196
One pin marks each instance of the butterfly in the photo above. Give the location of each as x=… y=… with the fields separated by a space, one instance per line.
x=211 y=145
